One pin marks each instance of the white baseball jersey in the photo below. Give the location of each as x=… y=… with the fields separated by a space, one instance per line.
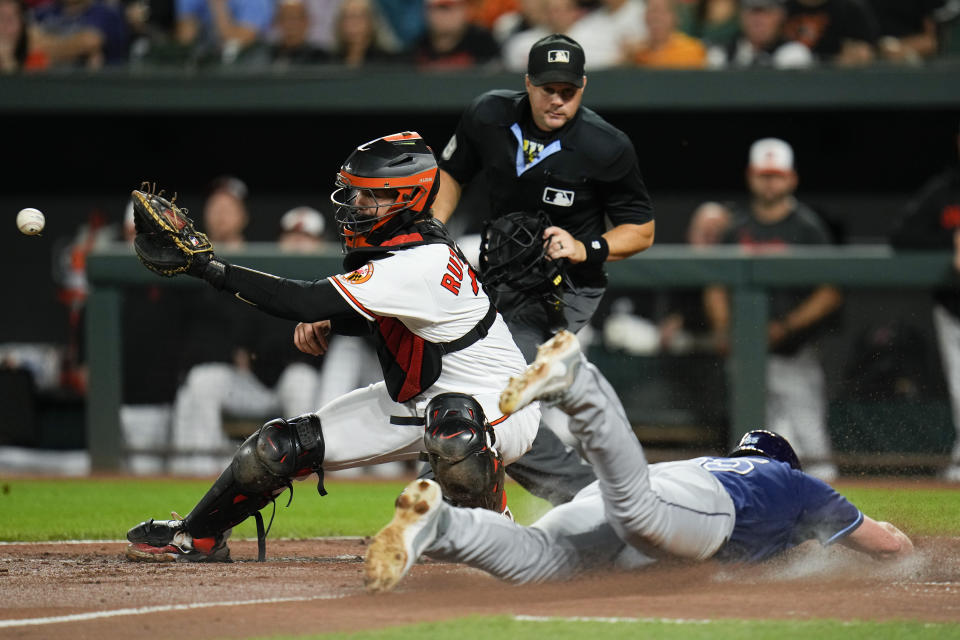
x=437 y=297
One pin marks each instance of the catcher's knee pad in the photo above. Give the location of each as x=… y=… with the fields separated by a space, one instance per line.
x=261 y=469
x=459 y=445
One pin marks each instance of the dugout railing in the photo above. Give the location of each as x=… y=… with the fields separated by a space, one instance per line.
x=748 y=278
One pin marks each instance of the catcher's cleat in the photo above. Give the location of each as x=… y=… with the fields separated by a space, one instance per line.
x=398 y=545
x=548 y=375
x=166 y=541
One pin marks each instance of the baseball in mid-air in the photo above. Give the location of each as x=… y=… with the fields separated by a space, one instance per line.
x=30 y=221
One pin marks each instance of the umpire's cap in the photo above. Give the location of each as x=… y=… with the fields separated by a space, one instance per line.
x=556 y=58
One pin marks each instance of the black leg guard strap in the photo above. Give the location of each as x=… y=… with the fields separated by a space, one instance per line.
x=261 y=470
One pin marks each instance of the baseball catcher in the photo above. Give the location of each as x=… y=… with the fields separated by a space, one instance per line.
x=441 y=343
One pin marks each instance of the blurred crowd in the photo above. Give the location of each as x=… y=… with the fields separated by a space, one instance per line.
x=45 y=35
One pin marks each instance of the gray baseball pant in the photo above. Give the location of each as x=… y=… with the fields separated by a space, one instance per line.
x=631 y=515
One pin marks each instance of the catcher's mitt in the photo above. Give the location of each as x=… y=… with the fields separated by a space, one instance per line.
x=166 y=241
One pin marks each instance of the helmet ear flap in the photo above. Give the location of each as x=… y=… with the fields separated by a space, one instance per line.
x=432 y=194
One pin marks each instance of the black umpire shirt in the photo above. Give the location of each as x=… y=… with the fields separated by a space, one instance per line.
x=579 y=175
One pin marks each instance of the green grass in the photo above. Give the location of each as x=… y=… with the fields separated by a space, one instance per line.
x=476 y=628
x=103 y=509
x=86 y=508
x=916 y=511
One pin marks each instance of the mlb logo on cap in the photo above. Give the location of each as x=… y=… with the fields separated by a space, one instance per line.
x=555 y=58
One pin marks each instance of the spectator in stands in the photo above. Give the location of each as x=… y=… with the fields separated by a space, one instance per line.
x=451 y=41
x=16 y=53
x=773 y=221
x=709 y=224
x=81 y=33
x=224 y=30
x=238 y=362
x=761 y=42
x=624 y=27
x=150 y=19
x=486 y=12
x=666 y=46
x=908 y=31
x=301 y=230
x=291 y=46
x=685 y=327
x=225 y=215
x=528 y=15
x=322 y=16
x=565 y=17
x=932 y=222
x=714 y=22
x=362 y=36
x=841 y=32
x=406 y=18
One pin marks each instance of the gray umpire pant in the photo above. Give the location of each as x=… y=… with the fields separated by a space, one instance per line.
x=550 y=470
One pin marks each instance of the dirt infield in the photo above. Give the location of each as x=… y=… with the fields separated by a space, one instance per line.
x=315 y=586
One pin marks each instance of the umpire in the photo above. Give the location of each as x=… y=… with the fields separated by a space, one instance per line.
x=542 y=152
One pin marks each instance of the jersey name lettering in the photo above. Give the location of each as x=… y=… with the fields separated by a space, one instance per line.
x=452 y=280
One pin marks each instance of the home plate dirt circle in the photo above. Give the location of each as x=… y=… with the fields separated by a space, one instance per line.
x=89 y=590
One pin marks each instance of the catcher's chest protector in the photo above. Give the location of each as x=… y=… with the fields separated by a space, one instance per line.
x=411 y=364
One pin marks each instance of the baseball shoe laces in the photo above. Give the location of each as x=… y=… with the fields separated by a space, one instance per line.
x=396 y=548
x=549 y=375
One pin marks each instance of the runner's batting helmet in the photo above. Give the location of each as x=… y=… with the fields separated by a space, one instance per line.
x=768 y=444
x=383 y=186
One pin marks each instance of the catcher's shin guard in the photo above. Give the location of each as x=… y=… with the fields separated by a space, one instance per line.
x=459 y=447
x=262 y=468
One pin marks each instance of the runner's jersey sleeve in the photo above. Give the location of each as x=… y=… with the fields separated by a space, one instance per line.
x=778 y=507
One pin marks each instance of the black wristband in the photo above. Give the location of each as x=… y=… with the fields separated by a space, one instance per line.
x=597 y=250
x=207 y=266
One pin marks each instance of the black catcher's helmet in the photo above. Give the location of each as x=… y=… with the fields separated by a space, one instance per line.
x=768 y=444
x=383 y=186
x=513 y=254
